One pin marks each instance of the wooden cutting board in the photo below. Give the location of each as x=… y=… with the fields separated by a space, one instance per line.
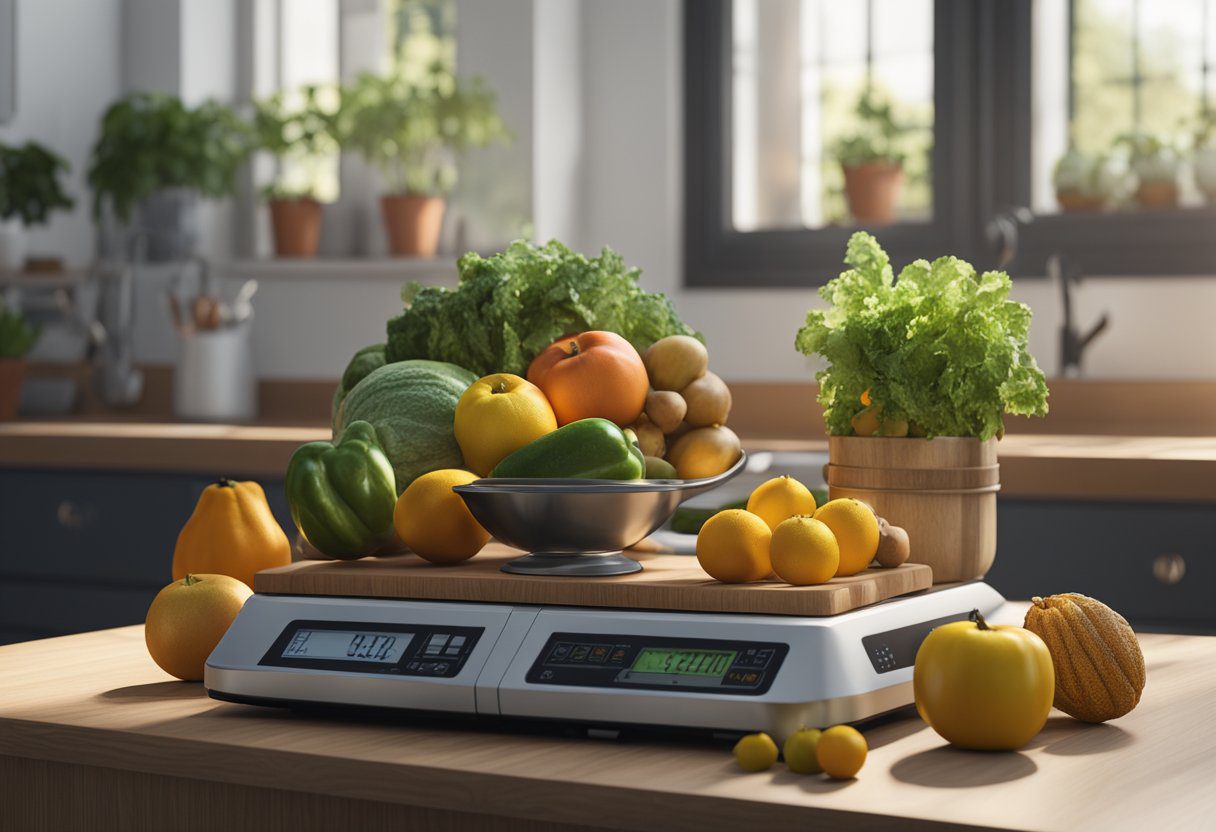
x=668 y=582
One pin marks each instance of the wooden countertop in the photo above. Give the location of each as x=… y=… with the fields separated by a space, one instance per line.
x=1139 y=468
x=97 y=700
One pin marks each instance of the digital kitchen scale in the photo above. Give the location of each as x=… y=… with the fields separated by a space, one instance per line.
x=597 y=666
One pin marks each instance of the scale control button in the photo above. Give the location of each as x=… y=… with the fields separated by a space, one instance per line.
x=457 y=641
x=413 y=665
x=561 y=651
x=618 y=655
x=441 y=668
x=579 y=652
x=764 y=657
x=546 y=675
x=427 y=667
x=598 y=653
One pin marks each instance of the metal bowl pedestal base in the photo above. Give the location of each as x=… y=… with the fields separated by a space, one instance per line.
x=574 y=564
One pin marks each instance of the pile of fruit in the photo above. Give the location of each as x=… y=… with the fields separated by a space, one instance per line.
x=591 y=407
x=839 y=752
x=783 y=532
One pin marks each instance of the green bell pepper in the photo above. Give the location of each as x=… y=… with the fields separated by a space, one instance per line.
x=342 y=495
x=587 y=449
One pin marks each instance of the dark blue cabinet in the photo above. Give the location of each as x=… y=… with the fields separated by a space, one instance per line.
x=83 y=550
x=1154 y=563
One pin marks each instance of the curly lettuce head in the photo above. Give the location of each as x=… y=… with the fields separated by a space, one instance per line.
x=940 y=346
x=510 y=306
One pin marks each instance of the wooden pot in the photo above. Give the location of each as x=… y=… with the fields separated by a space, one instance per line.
x=412 y=223
x=872 y=191
x=296 y=224
x=942 y=491
x=12 y=375
x=1157 y=195
x=1073 y=202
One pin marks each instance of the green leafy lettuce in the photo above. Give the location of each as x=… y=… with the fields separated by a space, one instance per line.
x=510 y=306
x=941 y=347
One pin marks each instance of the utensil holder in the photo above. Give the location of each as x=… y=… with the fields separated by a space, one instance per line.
x=215 y=379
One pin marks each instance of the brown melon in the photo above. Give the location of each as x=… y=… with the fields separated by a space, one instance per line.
x=1098 y=663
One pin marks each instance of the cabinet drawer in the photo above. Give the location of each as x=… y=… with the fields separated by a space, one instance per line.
x=112 y=528
x=42 y=609
x=1155 y=564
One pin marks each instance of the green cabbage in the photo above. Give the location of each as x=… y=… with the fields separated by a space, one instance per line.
x=510 y=306
x=941 y=347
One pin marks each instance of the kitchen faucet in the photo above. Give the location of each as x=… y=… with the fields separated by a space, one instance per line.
x=1072 y=342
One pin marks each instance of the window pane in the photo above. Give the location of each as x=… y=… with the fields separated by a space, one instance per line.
x=819 y=87
x=1119 y=93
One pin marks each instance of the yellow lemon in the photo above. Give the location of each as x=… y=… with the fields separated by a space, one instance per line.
x=801 y=751
x=804 y=551
x=433 y=520
x=841 y=752
x=498 y=415
x=856 y=530
x=779 y=499
x=755 y=752
x=733 y=547
x=188 y=618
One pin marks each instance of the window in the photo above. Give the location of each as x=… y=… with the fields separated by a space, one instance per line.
x=1082 y=127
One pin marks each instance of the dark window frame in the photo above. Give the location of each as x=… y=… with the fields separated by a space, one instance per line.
x=981 y=168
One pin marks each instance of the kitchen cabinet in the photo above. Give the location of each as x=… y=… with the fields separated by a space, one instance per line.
x=1154 y=563
x=85 y=549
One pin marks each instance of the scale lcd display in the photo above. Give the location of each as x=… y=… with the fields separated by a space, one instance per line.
x=347 y=645
x=701 y=663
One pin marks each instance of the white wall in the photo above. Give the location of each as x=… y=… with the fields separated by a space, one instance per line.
x=68 y=71
x=632 y=128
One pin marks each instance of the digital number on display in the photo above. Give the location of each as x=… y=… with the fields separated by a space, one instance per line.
x=342 y=645
x=704 y=663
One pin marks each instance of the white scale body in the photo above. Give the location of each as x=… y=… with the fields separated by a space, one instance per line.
x=600 y=667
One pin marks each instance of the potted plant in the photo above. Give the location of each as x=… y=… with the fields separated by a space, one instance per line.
x=1086 y=181
x=300 y=136
x=1204 y=158
x=16 y=340
x=29 y=192
x=1155 y=163
x=414 y=132
x=154 y=158
x=920 y=371
x=872 y=162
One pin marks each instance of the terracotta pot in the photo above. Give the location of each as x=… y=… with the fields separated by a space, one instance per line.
x=12 y=374
x=942 y=491
x=1157 y=195
x=413 y=223
x=1073 y=202
x=297 y=227
x=872 y=191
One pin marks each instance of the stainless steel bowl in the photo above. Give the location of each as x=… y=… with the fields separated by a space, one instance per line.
x=579 y=527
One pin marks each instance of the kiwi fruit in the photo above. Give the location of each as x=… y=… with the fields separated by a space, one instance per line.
x=665 y=409
x=708 y=400
x=675 y=362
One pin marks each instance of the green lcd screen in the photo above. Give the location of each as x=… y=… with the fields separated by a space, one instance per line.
x=684 y=662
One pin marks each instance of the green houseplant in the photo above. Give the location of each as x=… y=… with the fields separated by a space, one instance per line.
x=1204 y=154
x=300 y=131
x=154 y=157
x=29 y=193
x=16 y=340
x=414 y=133
x=872 y=161
x=920 y=371
x=1155 y=161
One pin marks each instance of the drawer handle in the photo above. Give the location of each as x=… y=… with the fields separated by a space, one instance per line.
x=1169 y=569
x=70 y=515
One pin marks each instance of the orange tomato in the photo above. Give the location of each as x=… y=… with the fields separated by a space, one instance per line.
x=595 y=374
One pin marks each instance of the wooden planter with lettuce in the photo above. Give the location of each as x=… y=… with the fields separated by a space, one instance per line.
x=920 y=371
